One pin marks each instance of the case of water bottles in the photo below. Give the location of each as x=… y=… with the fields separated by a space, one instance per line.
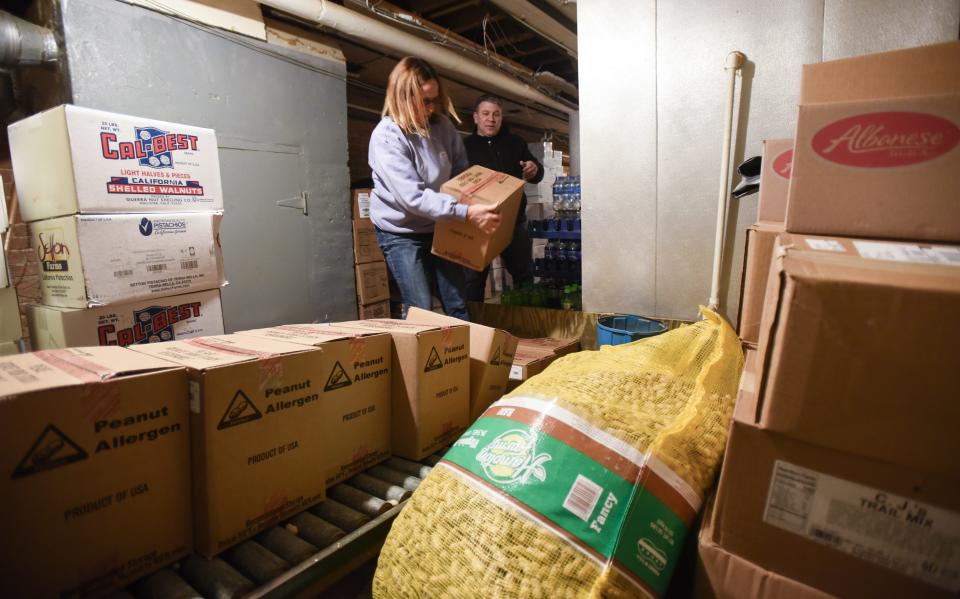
x=562 y=255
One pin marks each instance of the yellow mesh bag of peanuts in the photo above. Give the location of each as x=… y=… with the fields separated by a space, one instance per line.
x=582 y=482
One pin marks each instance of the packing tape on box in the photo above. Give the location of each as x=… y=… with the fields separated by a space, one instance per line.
x=97 y=400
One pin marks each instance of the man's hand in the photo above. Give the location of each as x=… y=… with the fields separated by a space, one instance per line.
x=484 y=217
x=529 y=169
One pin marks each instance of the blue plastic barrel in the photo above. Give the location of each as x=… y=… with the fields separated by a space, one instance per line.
x=614 y=330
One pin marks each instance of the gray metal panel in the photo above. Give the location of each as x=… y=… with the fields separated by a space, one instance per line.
x=131 y=60
x=777 y=38
x=650 y=166
x=854 y=27
x=618 y=161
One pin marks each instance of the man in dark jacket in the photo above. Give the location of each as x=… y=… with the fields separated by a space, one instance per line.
x=493 y=146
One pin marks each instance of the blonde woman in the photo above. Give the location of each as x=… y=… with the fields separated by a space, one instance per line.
x=413 y=151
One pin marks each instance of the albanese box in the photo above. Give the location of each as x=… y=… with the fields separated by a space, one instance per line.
x=881 y=159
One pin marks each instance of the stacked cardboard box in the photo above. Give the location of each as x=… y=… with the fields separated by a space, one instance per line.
x=124 y=213
x=491 y=358
x=430 y=383
x=771 y=211
x=370 y=267
x=95 y=450
x=257 y=409
x=356 y=391
x=534 y=355
x=841 y=457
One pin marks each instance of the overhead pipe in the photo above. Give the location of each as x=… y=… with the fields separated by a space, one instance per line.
x=24 y=44
x=541 y=23
x=356 y=25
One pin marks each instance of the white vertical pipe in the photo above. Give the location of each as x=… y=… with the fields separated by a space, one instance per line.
x=734 y=62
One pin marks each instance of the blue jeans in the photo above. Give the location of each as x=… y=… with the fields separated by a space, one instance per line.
x=414 y=267
x=517 y=258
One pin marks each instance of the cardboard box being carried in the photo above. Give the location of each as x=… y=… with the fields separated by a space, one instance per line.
x=810 y=513
x=461 y=241
x=149 y=321
x=373 y=284
x=356 y=394
x=430 y=386
x=859 y=349
x=11 y=328
x=95 y=450
x=879 y=159
x=97 y=260
x=775 y=171
x=756 y=268
x=256 y=412
x=69 y=160
x=491 y=357
x=377 y=310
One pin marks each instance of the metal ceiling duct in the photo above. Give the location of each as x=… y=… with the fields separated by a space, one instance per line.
x=356 y=25
x=22 y=43
x=541 y=23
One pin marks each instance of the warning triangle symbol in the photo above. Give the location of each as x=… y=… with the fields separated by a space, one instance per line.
x=52 y=449
x=240 y=410
x=433 y=361
x=495 y=360
x=338 y=378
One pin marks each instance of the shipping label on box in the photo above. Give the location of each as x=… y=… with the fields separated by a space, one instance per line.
x=491 y=358
x=99 y=260
x=776 y=167
x=70 y=160
x=11 y=328
x=879 y=168
x=365 y=246
x=431 y=384
x=461 y=241
x=95 y=448
x=377 y=310
x=873 y=524
x=257 y=409
x=372 y=282
x=150 y=321
x=356 y=392
x=756 y=269
x=361 y=210
x=848 y=333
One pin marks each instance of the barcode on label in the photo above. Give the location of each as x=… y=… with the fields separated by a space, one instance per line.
x=119 y=274
x=583 y=497
x=826 y=536
x=156 y=267
x=186 y=264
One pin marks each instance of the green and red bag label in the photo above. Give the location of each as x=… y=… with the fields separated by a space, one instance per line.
x=611 y=502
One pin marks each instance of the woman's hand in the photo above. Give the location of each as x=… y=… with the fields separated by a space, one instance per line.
x=484 y=217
